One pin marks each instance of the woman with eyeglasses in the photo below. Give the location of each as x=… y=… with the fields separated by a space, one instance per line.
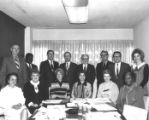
x=108 y=89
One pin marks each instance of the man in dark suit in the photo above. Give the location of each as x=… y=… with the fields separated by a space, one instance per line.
x=15 y=64
x=30 y=67
x=47 y=69
x=87 y=68
x=119 y=69
x=69 y=69
x=104 y=64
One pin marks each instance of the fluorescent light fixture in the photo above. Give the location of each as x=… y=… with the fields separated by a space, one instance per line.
x=77 y=10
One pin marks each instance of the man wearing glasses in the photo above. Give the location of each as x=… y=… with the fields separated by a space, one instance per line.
x=119 y=69
x=87 y=68
x=104 y=64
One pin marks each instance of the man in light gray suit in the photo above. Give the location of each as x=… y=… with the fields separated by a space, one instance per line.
x=14 y=64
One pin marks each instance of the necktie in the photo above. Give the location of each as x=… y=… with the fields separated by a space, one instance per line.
x=85 y=68
x=104 y=65
x=82 y=91
x=30 y=66
x=17 y=62
x=52 y=67
x=67 y=66
x=117 y=69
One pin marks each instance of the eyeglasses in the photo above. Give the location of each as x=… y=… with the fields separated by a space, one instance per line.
x=116 y=56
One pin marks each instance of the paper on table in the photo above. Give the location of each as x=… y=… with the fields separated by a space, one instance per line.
x=102 y=116
x=52 y=101
x=104 y=107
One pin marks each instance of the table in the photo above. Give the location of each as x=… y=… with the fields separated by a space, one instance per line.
x=88 y=109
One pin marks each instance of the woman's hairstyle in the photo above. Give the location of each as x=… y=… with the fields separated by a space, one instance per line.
x=59 y=70
x=132 y=74
x=107 y=71
x=9 y=75
x=140 y=52
x=81 y=72
x=35 y=72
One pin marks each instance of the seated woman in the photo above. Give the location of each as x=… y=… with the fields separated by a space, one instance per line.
x=34 y=92
x=108 y=89
x=82 y=88
x=130 y=93
x=12 y=100
x=59 y=89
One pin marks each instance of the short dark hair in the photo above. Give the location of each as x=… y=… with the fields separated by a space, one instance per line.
x=104 y=51
x=140 y=52
x=107 y=71
x=35 y=71
x=29 y=54
x=9 y=75
x=117 y=52
x=68 y=53
x=50 y=51
x=132 y=74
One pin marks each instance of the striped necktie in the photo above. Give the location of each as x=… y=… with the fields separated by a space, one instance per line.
x=17 y=62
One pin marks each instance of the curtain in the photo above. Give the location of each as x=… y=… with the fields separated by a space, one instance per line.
x=78 y=47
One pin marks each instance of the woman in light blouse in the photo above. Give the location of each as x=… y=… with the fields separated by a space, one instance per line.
x=82 y=88
x=108 y=89
x=12 y=100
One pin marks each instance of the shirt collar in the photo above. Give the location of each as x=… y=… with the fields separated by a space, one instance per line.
x=138 y=66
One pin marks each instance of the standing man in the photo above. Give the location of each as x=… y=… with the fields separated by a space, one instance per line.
x=69 y=69
x=119 y=69
x=87 y=68
x=47 y=69
x=104 y=64
x=30 y=67
x=14 y=64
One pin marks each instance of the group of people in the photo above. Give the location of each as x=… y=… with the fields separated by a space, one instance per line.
x=115 y=80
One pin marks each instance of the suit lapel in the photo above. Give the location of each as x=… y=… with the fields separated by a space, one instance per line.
x=13 y=63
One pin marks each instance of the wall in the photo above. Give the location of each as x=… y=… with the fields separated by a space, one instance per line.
x=141 y=37
x=82 y=34
x=10 y=32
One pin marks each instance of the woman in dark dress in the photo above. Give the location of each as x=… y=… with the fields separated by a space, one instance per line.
x=141 y=69
x=34 y=92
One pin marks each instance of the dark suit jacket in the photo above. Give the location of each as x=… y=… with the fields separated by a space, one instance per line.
x=47 y=73
x=69 y=76
x=90 y=72
x=31 y=96
x=9 y=66
x=119 y=80
x=29 y=71
x=99 y=71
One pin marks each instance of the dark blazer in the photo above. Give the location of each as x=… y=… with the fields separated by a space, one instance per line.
x=119 y=80
x=9 y=66
x=90 y=72
x=29 y=70
x=47 y=73
x=31 y=96
x=70 y=75
x=99 y=71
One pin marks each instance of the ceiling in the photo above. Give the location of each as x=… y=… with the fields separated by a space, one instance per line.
x=102 y=13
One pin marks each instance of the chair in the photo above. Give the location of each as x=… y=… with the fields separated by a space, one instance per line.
x=134 y=113
x=146 y=102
